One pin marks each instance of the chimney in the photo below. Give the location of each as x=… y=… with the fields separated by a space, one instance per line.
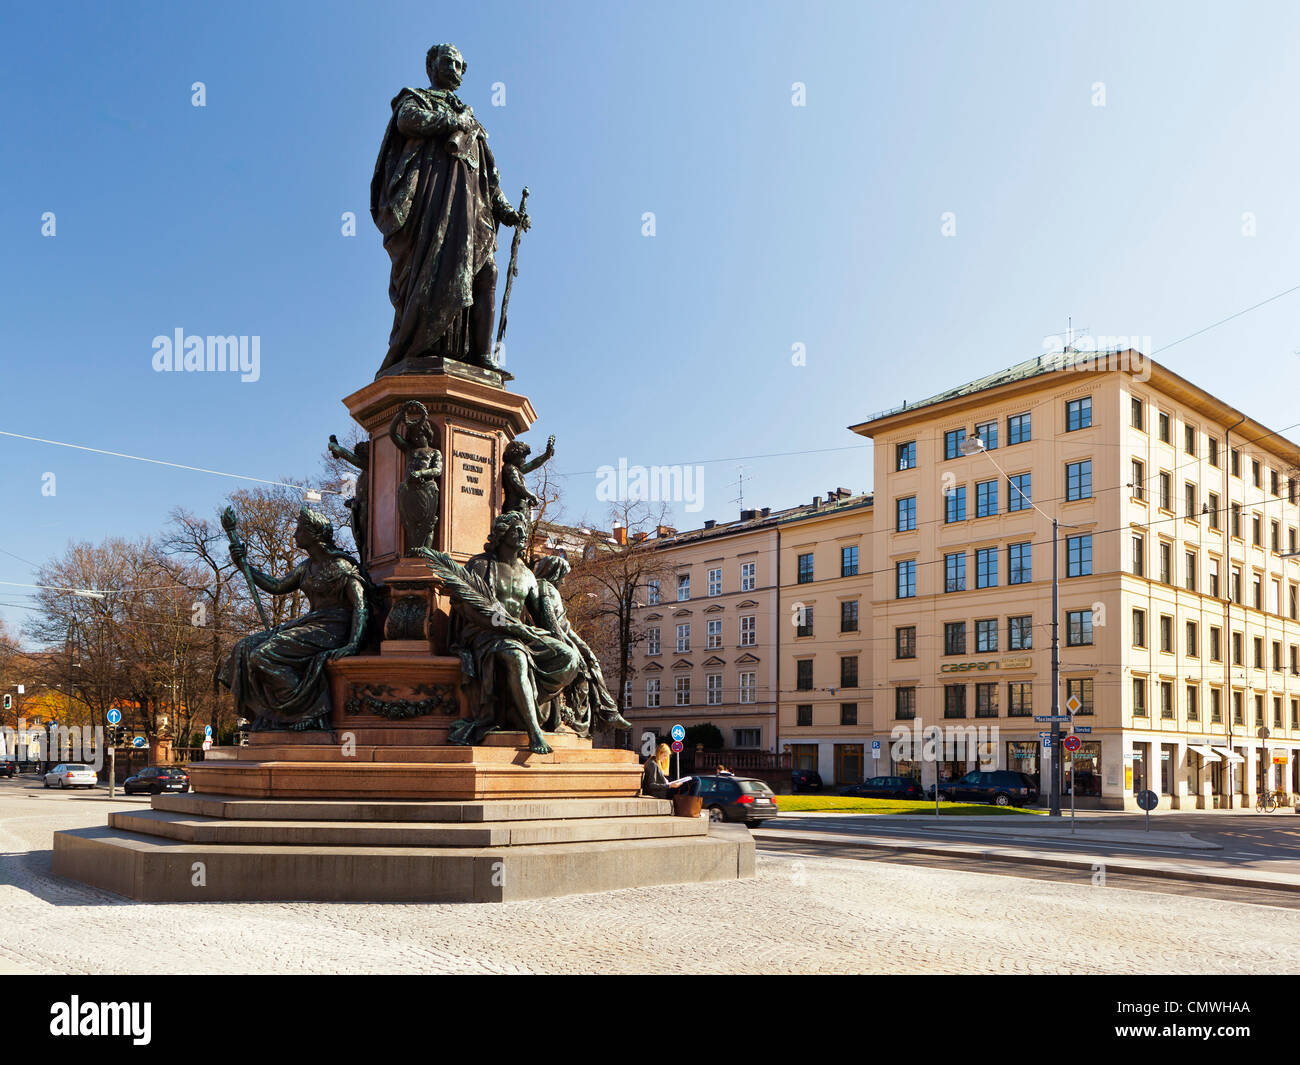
x=664 y=531
x=748 y=515
x=765 y=512
x=817 y=502
x=637 y=537
x=620 y=535
x=843 y=493
x=710 y=524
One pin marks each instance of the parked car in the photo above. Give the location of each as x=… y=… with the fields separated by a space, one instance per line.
x=157 y=779
x=71 y=775
x=805 y=780
x=8 y=768
x=885 y=788
x=731 y=798
x=1000 y=787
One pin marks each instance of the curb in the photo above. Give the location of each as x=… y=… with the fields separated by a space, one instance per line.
x=1015 y=857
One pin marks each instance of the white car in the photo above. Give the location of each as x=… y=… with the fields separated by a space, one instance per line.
x=71 y=775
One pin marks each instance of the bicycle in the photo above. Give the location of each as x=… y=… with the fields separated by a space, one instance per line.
x=1268 y=801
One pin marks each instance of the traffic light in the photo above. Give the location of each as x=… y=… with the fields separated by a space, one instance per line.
x=9 y=702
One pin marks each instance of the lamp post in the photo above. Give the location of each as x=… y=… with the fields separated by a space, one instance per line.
x=973 y=445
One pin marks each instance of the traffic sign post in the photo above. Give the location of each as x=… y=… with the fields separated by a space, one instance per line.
x=678 y=734
x=875 y=748
x=1148 y=801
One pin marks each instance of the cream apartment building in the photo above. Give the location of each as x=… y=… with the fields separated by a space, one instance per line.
x=1178 y=621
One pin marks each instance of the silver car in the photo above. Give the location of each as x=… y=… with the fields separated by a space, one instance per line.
x=71 y=775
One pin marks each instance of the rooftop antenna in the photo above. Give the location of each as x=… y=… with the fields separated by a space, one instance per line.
x=739 y=485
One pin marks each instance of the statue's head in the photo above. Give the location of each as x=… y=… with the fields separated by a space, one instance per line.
x=515 y=452
x=313 y=528
x=445 y=66
x=510 y=527
x=553 y=568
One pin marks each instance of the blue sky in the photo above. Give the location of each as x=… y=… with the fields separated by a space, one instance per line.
x=776 y=225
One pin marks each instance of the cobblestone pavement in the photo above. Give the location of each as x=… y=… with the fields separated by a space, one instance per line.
x=799 y=915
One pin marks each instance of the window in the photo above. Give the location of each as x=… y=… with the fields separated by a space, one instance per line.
x=1235 y=516
x=849 y=559
x=1257 y=593
x=849 y=671
x=683 y=638
x=905 y=642
x=905 y=454
x=1275 y=536
x=954 y=637
x=986 y=700
x=1259 y=710
x=1020 y=698
x=803 y=715
x=986 y=634
x=1193 y=710
x=906 y=508
x=1254 y=472
x=955 y=504
x=652 y=641
x=986 y=567
x=1166 y=562
x=1277 y=711
x=904 y=704
x=1139 y=628
x=747 y=737
x=804 y=621
x=1277 y=656
x=986 y=499
x=1139 y=555
x=1078 y=414
x=954 y=572
x=1164 y=427
x=805 y=568
x=954 y=700
x=849 y=616
x=1018 y=429
x=1135 y=418
x=1020 y=563
x=682 y=690
x=1216 y=644
x=1214 y=577
x=1237 y=651
x=1212 y=451
x=1166 y=634
x=683 y=586
x=1166 y=700
x=1238 y=708
x=715 y=582
x=652 y=692
x=1212 y=508
x=1139 y=697
x=1078 y=556
x=1189 y=570
x=1139 y=483
x=713 y=689
x=748 y=631
x=1236 y=462
x=1256 y=536
x=952 y=442
x=1189 y=501
x=1257 y=647
x=1019 y=492
x=749 y=687
x=1078 y=480
x=713 y=638
x=1216 y=706
x=1293 y=601
x=1165 y=486
x=1236 y=584
x=803 y=680
x=1081 y=689
x=1020 y=632
x=988 y=432
x=905 y=579
x=1193 y=640
x=848 y=713
x=652 y=593
x=747 y=576
x=1189 y=439
x=1078 y=628
x=627 y=695
x=1295 y=662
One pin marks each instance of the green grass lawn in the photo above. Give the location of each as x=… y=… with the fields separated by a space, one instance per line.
x=845 y=804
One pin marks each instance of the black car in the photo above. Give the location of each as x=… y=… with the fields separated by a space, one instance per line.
x=1000 y=787
x=157 y=779
x=885 y=788
x=7 y=768
x=805 y=780
x=729 y=798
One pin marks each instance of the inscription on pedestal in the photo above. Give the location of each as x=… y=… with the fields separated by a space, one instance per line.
x=472 y=478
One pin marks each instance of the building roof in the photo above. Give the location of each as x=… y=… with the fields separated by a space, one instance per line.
x=835 y=502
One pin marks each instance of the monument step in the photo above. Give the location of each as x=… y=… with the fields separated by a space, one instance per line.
x=406 y=812
x=167 y=825
x=358 y=752
x=151 y=869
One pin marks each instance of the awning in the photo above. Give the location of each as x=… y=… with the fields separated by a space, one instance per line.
x=1207 y=753
x=1228 y=755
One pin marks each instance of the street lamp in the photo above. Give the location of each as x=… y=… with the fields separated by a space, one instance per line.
x=975 y=445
